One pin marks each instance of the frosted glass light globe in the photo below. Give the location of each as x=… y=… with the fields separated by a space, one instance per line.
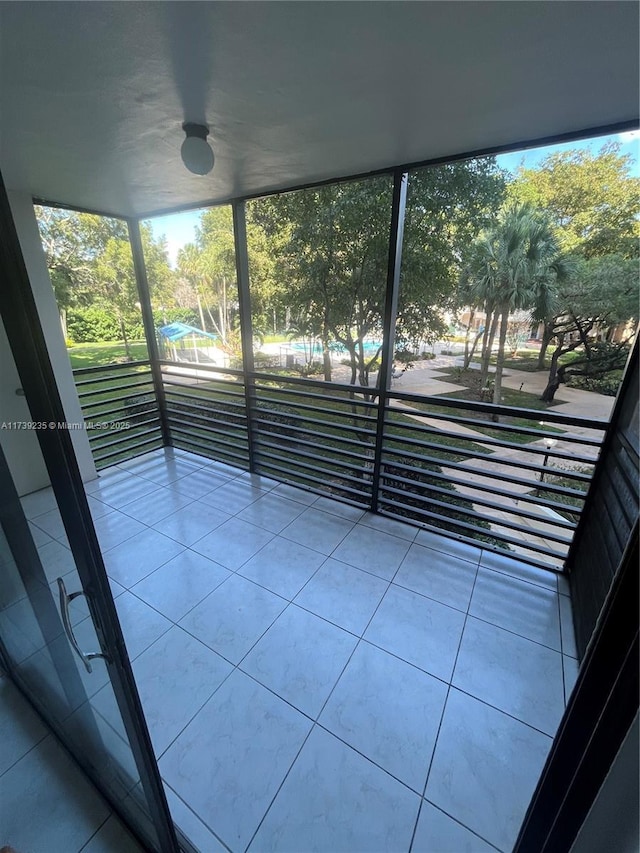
x=197 y=155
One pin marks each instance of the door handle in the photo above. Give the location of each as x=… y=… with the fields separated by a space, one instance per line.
x=65 y=598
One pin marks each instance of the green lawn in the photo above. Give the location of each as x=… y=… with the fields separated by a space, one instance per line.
x=105 y=352
x=510 y=397
x=528 y=360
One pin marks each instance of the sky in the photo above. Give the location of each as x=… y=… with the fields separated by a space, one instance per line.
x=180 y=228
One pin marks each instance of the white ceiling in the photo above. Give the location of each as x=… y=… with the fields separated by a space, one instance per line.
x=93 y=95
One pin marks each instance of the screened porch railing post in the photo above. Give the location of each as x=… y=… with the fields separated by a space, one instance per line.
x=246 y=325
x=142 y=283
x=396 y=232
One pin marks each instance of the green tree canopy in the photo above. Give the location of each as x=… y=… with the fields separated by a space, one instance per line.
x=331 y=246
x=593 y=200
x=515 y=266
x=90 y=263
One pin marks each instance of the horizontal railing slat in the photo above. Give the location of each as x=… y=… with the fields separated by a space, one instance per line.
x=322 y=434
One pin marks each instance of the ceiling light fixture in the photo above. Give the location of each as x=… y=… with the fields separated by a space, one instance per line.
x=196 y=152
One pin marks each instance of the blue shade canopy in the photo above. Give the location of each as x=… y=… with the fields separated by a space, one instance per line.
x=176 y=331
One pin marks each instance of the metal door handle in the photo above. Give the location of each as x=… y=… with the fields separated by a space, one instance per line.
x=65 y=598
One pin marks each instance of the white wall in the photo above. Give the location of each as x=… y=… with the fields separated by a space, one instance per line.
x=21 y=446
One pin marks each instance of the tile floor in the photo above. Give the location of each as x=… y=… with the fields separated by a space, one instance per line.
x=316 y=678
x=46 y=803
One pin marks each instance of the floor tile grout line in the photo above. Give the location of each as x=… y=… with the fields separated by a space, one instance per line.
x=208 y=699
x=258 y=639
x=361 y=638
x=93 y=835
x=450 y=687
x=515 y=577
x=198 y=817
x=472 y=831
x=513 y=633
x=501 y=711
x=159 y=566
x=564 y=681
x=316 y=724
x=159 y=520
x=280 y=786
x=314 y=721
x=446 y=699
x=31 y=748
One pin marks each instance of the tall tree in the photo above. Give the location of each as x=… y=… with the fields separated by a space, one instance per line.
x=331 y=249
x=599 y=295
x=73 y=242
x=593 y=200
x=161 y=278
x=188 y=291
x=114 y=284
x=515 y=267
x=215 y=240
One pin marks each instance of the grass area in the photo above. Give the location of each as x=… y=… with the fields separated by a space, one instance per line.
x=510 y=397
x=105 y=352
x=492 y=432
x=566 y=482
x=528 y=360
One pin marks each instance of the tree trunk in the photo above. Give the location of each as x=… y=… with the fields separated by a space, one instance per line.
x=123 y=334
x=486 y=356
x=467 y=353
x=225 y=318
x=473 y=349
x=351 y=349
x=497 y=385
x=326 y=352
x=363 y=371
x=547 y=335
x=222 y=323
x=326 y=360
x=556 y=376
x=200 y=311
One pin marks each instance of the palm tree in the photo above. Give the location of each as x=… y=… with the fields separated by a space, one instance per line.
x=514 y=268
x=190 y=268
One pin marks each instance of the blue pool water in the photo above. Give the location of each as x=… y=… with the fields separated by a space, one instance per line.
x=370 y=347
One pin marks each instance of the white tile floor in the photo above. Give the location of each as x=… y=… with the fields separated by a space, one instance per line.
x=46 y=804
x=319 y=679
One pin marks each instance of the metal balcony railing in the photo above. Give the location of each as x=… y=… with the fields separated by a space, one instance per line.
x=518 y=484
x=120 y=410
x=206 y=411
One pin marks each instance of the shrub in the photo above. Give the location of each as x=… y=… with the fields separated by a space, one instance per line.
x=136 y=408
x=93 y=324
x=314 y=369
x=177 y=315
x=416 y=491
x=607 y=385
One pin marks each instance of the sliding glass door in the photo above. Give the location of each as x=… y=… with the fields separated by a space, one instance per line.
x=60 y=638
x=51 y=648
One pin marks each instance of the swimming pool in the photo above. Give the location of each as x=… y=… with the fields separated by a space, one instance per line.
x=370 y=347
